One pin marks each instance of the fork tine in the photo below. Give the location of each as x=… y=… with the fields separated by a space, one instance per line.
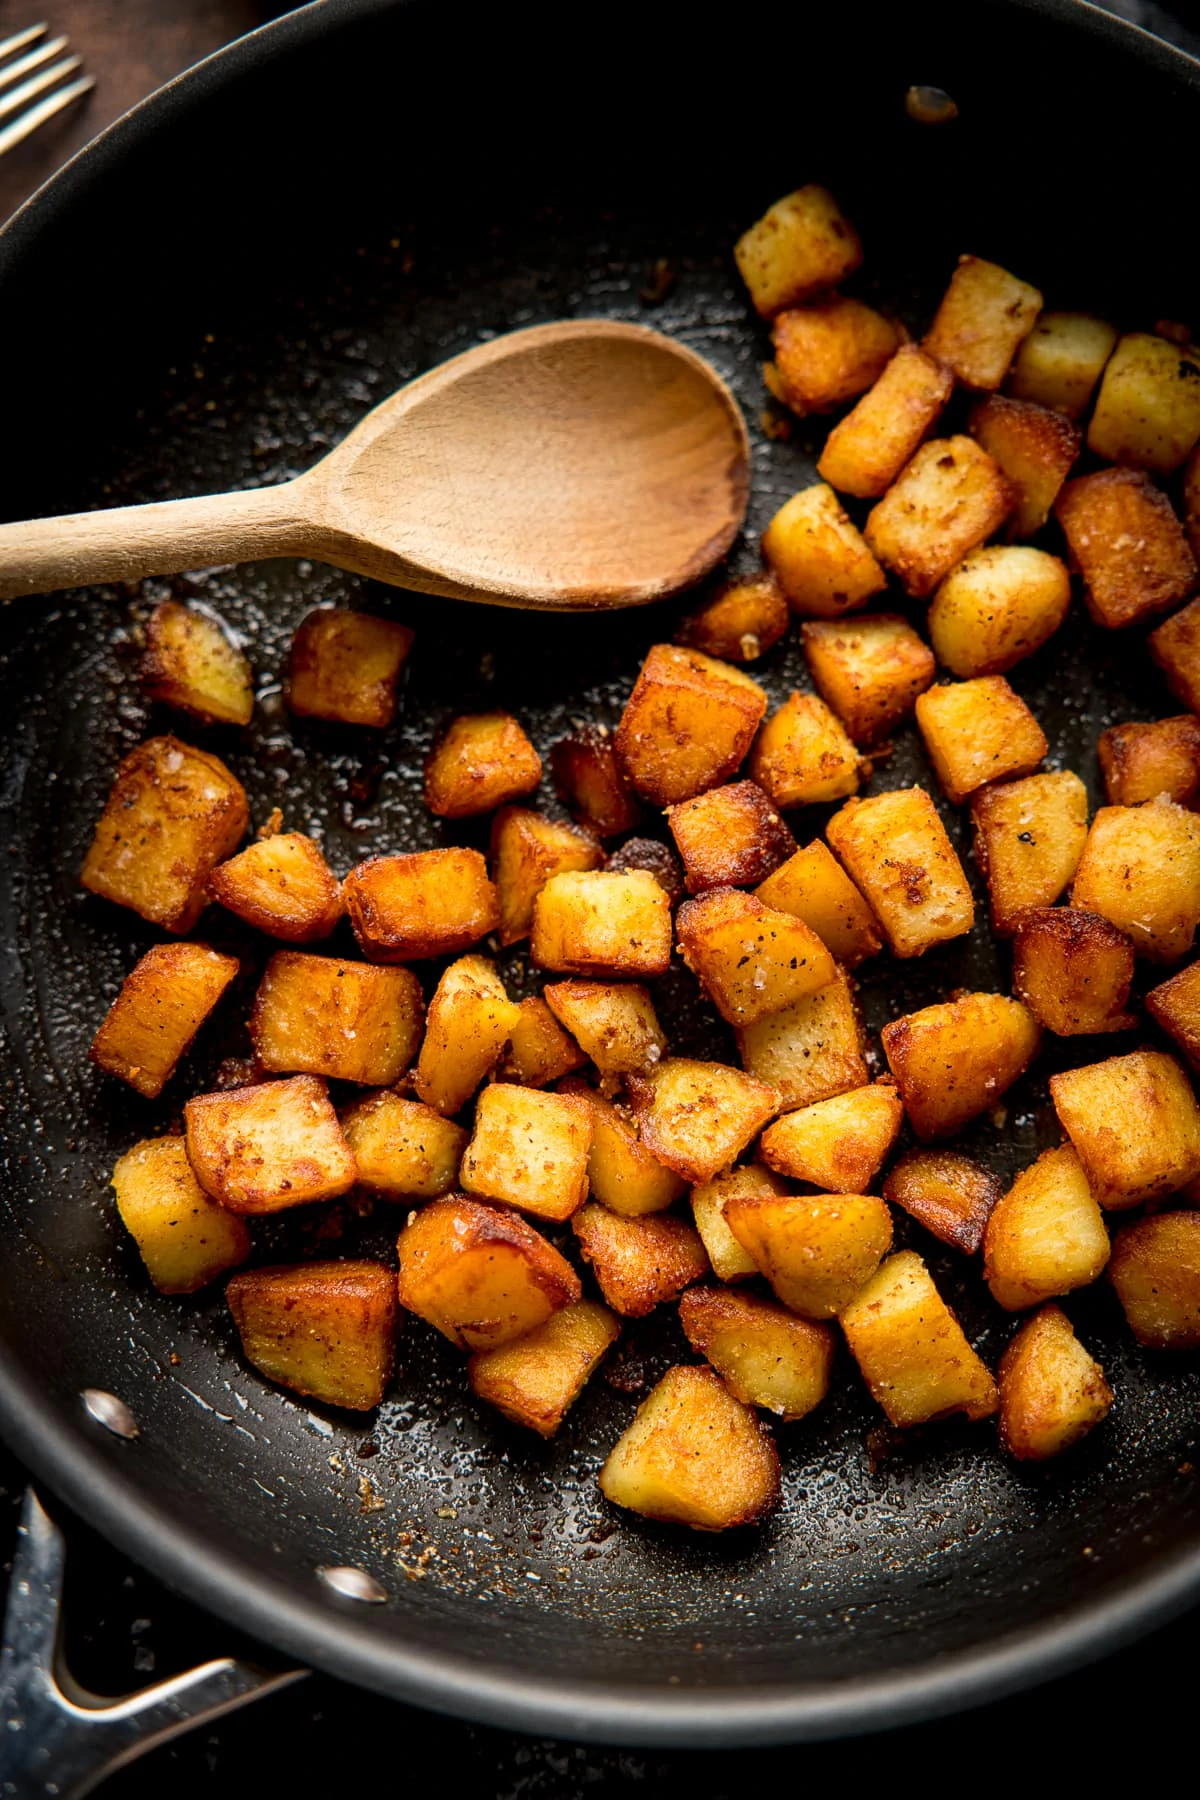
x=19 y=39
x=25 y=65
x=29 y=120
x=37 y=84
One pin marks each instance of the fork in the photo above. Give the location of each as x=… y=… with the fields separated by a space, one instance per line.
x=38 y=67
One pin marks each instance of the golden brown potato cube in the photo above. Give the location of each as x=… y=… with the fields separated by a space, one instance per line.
x=977 y=732
x=750 y=959
x=911 y=1349
x=480 y=1274
x=816 y=1250
x=997 y=607
x=819 y=557
x=829 y=351
x=192 y=664
x=322 y=1015
x=1073 y=970
x=1061 y=361
x=184 y=1238
x=730 y=837
x=657 y=859
x=539 y=1050
x=483 y=760
x=814 y=887
x=283 y=886
x=641 y=1261
x=326 y=1330
x=950 y=1195
x=1175 y=1006
x=526 y=850
x=802 y=244
x=403 y=1150
x=765 y=1355
x=803 y=754
x=345 y=665
x=697 y=1117
x=1034 y=448
x=173 y=814
x=1134 y=1123
x=895 y=848
x=163 y=1002
x=1029 y=836
x=687 y=725
x=741 y=621
x=945 y=502
x=954 y=1060
x=420 y=903
x=271 y=1145
x=983 y=317
x=471 y=1019
x=812 y=1050
x=838 y=1144
x=602 y=923
x=1127 y=544
x=1155 y=1269
x=591 y=782
x=1175 y=647
x=614 y=1023
x=1046 y=1236
x=869 y=670
x=729 y=1261
x=865 y=451
x=1148 y=409
x=529 y=1150
x=1052 y=1392
x=622 y=1174
x=1140 y=870
x=537 y=1379
x=1141 y=761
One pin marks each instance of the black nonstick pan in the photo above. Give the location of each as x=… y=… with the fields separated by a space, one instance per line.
x=206 y=299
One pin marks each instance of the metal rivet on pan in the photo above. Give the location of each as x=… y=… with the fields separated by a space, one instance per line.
x=110 y=1412
x=930 y=105
x=353 y=1584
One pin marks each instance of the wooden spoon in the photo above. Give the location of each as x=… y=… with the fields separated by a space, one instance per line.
x=582 y=464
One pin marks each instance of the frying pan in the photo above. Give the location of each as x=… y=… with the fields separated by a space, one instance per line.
x=207 y=297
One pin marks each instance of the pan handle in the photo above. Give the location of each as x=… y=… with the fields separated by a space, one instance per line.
x=55 y=1738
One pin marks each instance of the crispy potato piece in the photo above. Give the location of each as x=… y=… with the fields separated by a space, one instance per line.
x=1140 y=870
x=750 y=959
x=730 y=837
x=344 y=666
x=601 y=923
x=657 y=859
x=997 y=607
x=527 y=849
x=271 y=1145
x=814 y=887
x=1061 y=361
x=895 y=848
x=640 y=1262
x=950 y=1195
x=945 y=502
x=403 y=1150
x=1046 y=1236
x=803 y=755
x=539 y=1050
x=591 y=782
x=324 y=1015
x=1141 y=761
x=173 y=814
x=801 y=245
x=819 y=557
x=869 y=670
x=1052 y=1392
x=983 y=317
x=729 y=1261
x=482 y=760
x=865 y=451
x=740 y=622
x=838 y=1144
x=977 y=732
x=697 y=1117
x=421 y=903
x=1127 y=544
x=283 y=886
x=185 y=1239
x=529 y=1150
x=829 y=351
x=471 y=1019
x=163 y=1002
x=1034 y=448
x=480 y=1274
x=953 y=1061
x=537 y=1379
x=1148 y=409
x=764 y=1354
x=1175 y=647
x=615 y=1024
x=326 y=1330
x=810 y=1051
x=1175 y=1006
x=911 y=1348
x=1029 y=836
x=1134 y=1123
x=816 y=1250
x=622 y=1174
x=1155 y=1269
x=1073 y=970
x=687 y=724
x=192 y=664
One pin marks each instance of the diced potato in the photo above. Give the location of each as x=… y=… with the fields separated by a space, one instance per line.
x=1029 y=836
x=615 y=1025
x=953 y=1061
x=694 y=1456
x=283 y=886
x=945 y=502
x=997 y=607
x=950 y=1195
x=326 y=1330
x=687 y=725
x=764 y=1354
x=813 y=885
x=697 y=1117
x=869 y=670
x=345 y=665
x=1175 y=1006
x=803 y=754
x=819 y=557
x=1073 y=970
x=1061 y=361
x=1052 y=1392
x=1127 y=544
x=816 y=1250
x=592 y=783
x=1140 y=870
x=482 y=761
x=622 y=1174
x=537 y=1379
x=801 y=245
x=911 y=1348
x=173 y=814
x=163 y=1002
x=185 y=1239
x=977 y=732
x=741 y=621
x=729 y=1261
x=1175 y=647
x=471 y=1019
x=865 y=451
x=1141 y=761
x=1148 y=409
x=829 y=351
x=403 y=1150
x=1134 y=1123
x=323 y=1015
x=730 y=837
x=640 y=1262
x=529 y=1150
x=539 y=1050
x=838 y=1144
x=601 y=923
x=750 y=959
x=1034 y=448
x=984 y=315
x=421 y=903
x=1155 y=1269
x=1046 y=1236
x=192 y=664
x=526 y=850
x=812 y=1050
x=480 y=1274
x=895 y=848
x=657 y=859
x=271 y=1145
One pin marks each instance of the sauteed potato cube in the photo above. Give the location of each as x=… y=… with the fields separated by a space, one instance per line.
x=1127 y=544
x=838 y=1144
x=1052 y=1391
x=977 y=732
x=483 y=760
x=764 y=1354
x=326 y=1330
x=741 y=621
x=687 y=725
x=983 y=317
x=185 y=1239
x=1155 y=1269
x=592 y=783
x=1034 y=448
x=526 y=850
x=829 y=351
x=819 y=557
x=750 y=959
x=163 y=1002
x=997 y=607
x=614 y=1023
x=1029 y=836
x=813 y=885
x=1140 y=762
x=192 y=664
x=865 y=451
x=402 y=1149
x=622 y=1174
x=601 y=923
x=801 y=245
x=420 y=903
x=1046 y=1236
x=283 y=886
x=1134 y=1123
x=323 y=1015
x=1140 y=870
x=953 y=1061
x=730 y=837
x=274 y=1144
x=471 y=1019
x=656 y=858
x=946 y=501
x=1148 y=409
x=539 y=1050
x=950 y=1195
x=529 y=1150
x=344 y=666
x=730 y=1262
x=537 y=1379
x=816 y=1250
x=697 y=1117
x=1073 y=970
x=911 y=1348
x=895 y=848
x=1061 y=361
x=1175 y=1006
x=803 y=754
x=694 y=1456
x=480 y=1274
x=869 y=670
x=1175 y=647
x=173 y=814
x=811 y=1050
x=639 y=1262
